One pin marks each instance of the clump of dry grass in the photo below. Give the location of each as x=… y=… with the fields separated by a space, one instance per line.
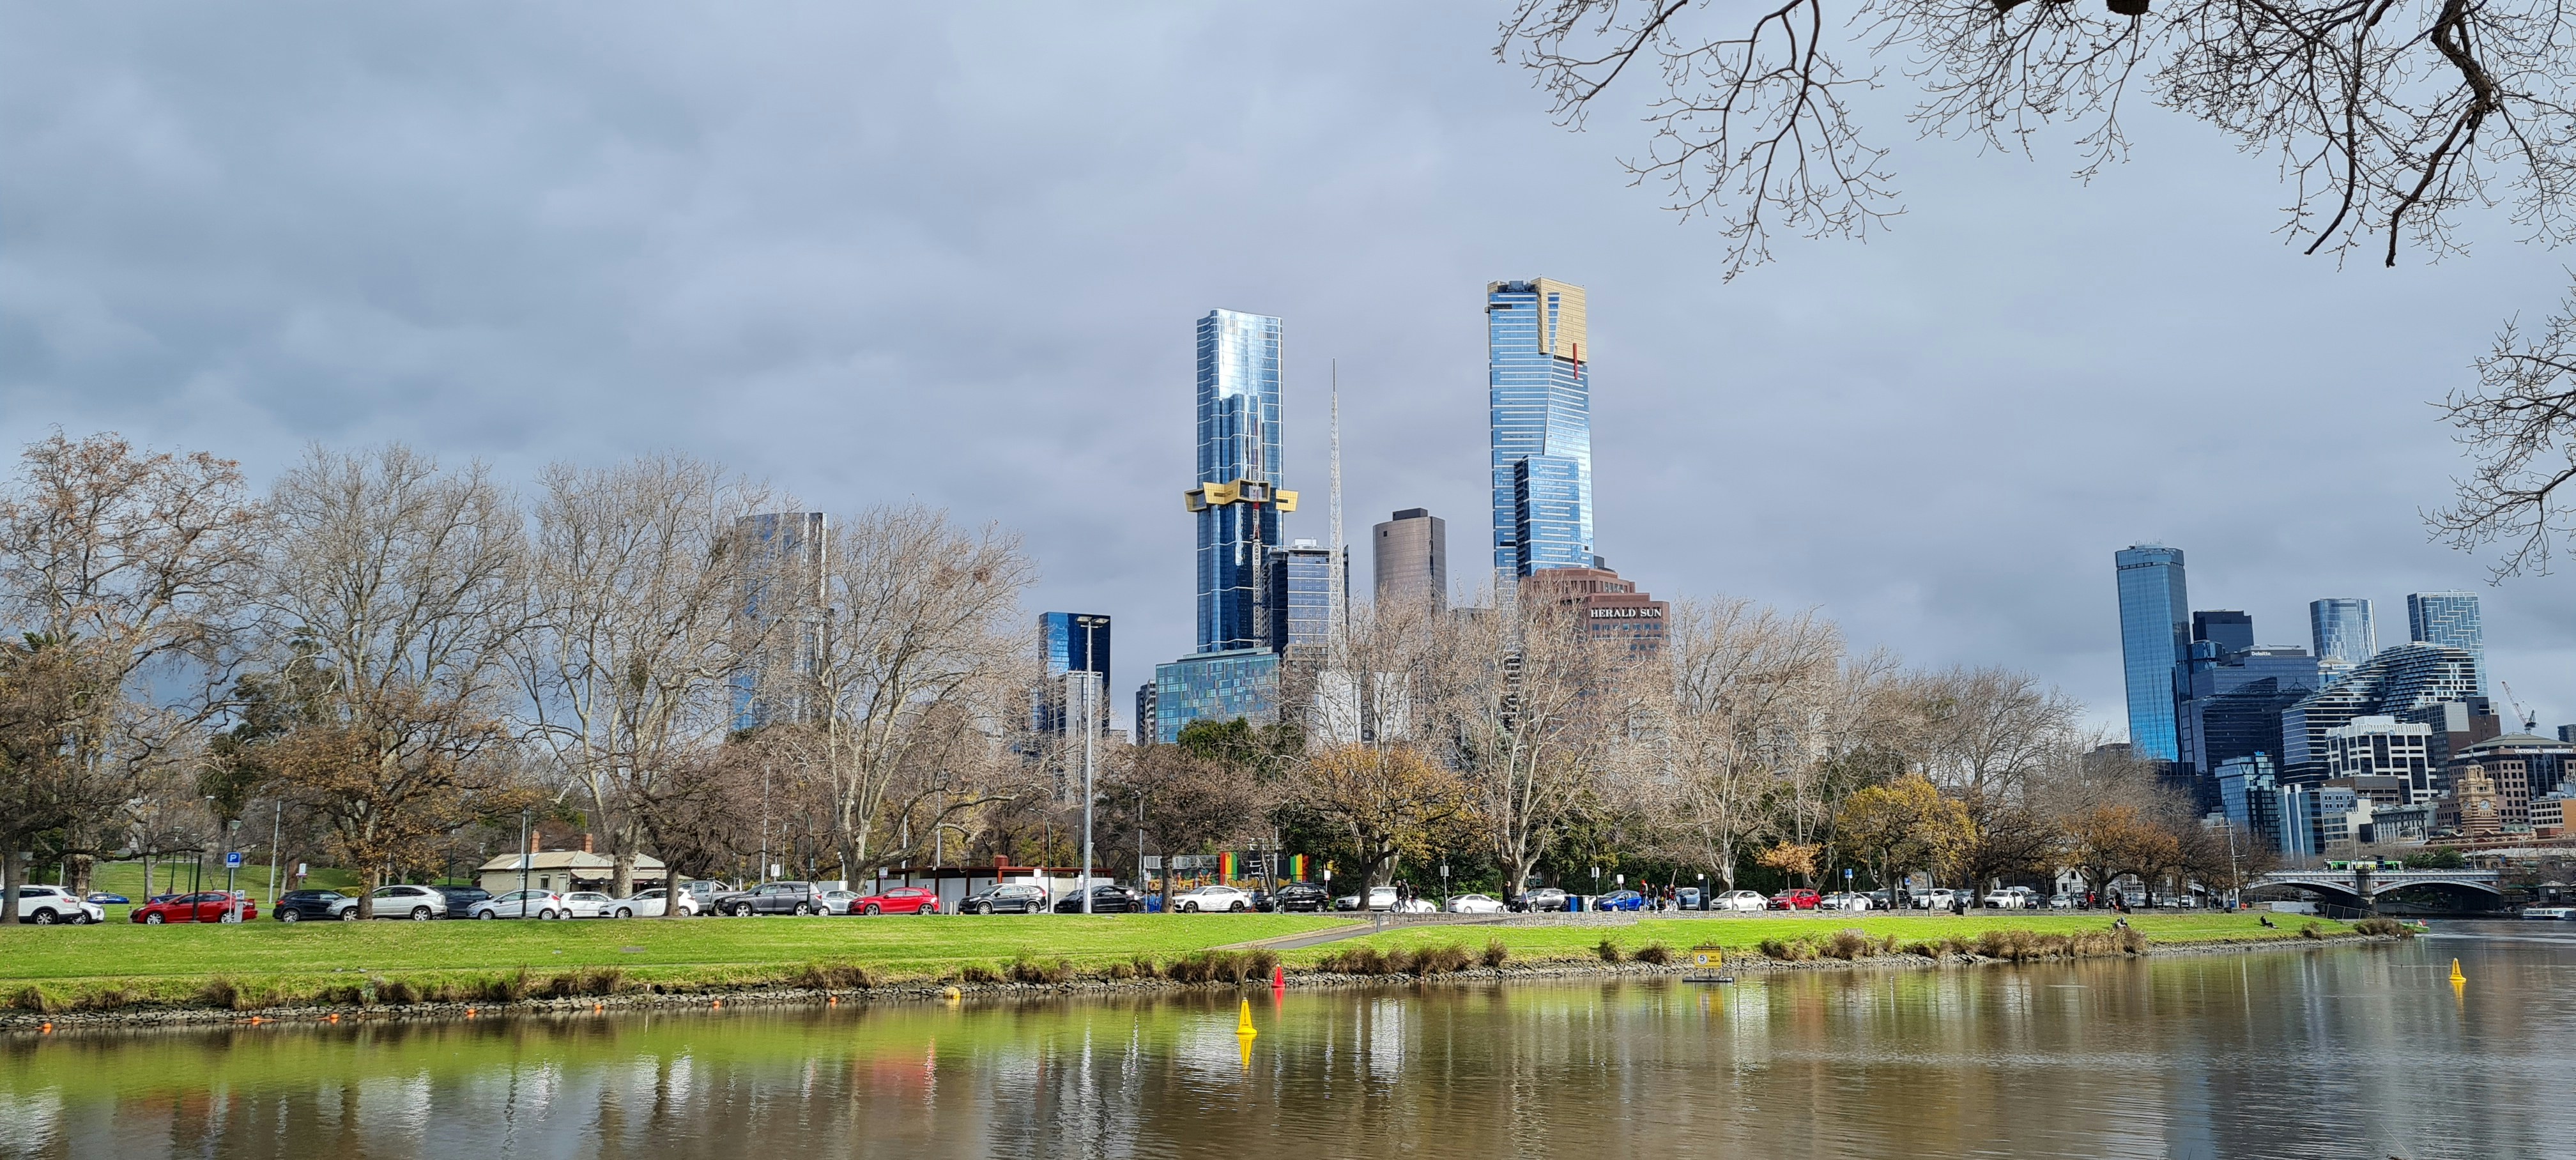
x=2383 y=928
x=835 y=977
x=979 y=973
x=2312 y=930
x=1788 y=950
x=33 y=1000
x=1609 y=951
x=1496 y=954
x=1655 y=954
x=1362 y=960
x=1027 y=970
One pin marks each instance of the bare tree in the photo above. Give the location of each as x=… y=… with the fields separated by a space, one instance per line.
x=636 y=585
x=135 y=560
x=1982 y=733
x=1752 y=693
x=400 y=584
x=2387 y=116
x=2519 y=427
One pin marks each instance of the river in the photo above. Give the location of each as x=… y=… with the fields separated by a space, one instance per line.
x=2349 y=1051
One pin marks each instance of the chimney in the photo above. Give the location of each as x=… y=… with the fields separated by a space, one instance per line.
x=585 y=843
x=535 y=840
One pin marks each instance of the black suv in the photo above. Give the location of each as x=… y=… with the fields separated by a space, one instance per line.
x=1300 y=896
x=771 y=898
x=461 y=899
x=1010 y=897
x=1105 y=899
x=299 y=905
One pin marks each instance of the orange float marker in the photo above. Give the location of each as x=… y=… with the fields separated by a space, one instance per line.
x=48 y=1029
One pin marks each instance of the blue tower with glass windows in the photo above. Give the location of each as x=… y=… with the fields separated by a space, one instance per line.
x=2155 y=641
x=1237 y=502
x=2449 y=618
x=1541 y=427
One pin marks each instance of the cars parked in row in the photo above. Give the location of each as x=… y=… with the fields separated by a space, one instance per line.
x=1942 y=900
x=1544 y=898
x=838 y=901
x=1843 y=900
x=204 y=906
x=897 y=900
x=1300 y=897
x=771 y=898
x=418 y=903
x=323 y=905
x=1206 y=898
x=1374 y=898
x=1475 y=904
x=48 y=905
x=103 y=898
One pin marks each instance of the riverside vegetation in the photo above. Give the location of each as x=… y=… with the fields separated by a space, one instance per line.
x=253 y=968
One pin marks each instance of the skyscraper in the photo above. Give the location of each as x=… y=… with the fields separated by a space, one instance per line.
x=2342 y=632
x=1301 y=599
x=2155 y=639
x=1237 y=501
x=2230 y=630
x=2449 y=618
x=791 y=554
x=1075 y=649
x=1412 y=558
x=1541 y=428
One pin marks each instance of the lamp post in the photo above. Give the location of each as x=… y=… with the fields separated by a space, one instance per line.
x=1703 y=890
x=1444 y=884
x=276 y=827
x=1091 y=681
x=1596 y=887
x=526 y=818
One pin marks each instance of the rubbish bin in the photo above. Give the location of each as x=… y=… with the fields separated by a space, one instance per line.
x=1574 y=902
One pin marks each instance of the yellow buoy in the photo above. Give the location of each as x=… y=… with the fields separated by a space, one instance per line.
x=1243 y=1022
x=2456 y=976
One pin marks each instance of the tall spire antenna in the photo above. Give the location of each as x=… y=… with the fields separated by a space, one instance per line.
x=1339 y=585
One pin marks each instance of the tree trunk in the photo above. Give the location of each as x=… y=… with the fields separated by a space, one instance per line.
x=622 y=879
x=81 y=865
x=374 y=877
x=10 y=876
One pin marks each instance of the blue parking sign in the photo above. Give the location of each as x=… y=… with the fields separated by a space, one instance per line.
x=232 y=861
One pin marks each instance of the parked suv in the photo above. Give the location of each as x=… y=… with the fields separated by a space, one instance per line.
x=298 y=905
x=418 y=903
x=1297 y=896
x=771 y=898
x=1009 y=897
x=47 y=905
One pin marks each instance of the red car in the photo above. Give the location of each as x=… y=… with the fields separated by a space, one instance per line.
x=898 y=900
x=206 y=907
x=1800 y=899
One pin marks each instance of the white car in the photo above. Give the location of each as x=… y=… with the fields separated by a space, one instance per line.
x=1204 y=898
x=523 y=904
x=587 y=904
x=1476 y=904
x=47 y=905
x=419 y=903
x=2009 y=898
x=1378 y=898
x=651 y=904
x=1414 y=906
x=1740 y=900
x=838 y=901
x=1939 y=900
x=2063 y=902
x=1843 y=901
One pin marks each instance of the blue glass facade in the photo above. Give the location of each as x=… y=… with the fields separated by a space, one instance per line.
x=1215 y=686
x=1541 y=426
x=1301 y=597
x=2342 y=633
x=2155 y=640
x=1238 y=442
x=1075 y=645
x=2449 y=618
x=790 y=548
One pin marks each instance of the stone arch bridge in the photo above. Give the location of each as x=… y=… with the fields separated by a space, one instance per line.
x=2362 y=889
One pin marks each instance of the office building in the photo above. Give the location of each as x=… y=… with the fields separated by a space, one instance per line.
x=2230 y=692
x=1302 y=578
x=2521 y=767
x=1412 y=558
x=1541 y=428
x=2229 y=630
x=789 y=580
x=2342 y=634
x=1074 y=648
x=1215 y=686
x=2155 y=639
x=1237 y=500
x=2449 y=618
x=2250 y=794
x=1145 y=714
x=2393 y=683
x=2378 y=747
x=2456 y=725
x=1612 y=608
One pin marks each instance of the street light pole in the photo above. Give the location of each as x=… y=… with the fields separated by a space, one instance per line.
x=232 y=908
x=1091 y=681
x=276 y=827
x=527 y=816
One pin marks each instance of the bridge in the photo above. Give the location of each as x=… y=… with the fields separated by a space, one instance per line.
x=2362 y=888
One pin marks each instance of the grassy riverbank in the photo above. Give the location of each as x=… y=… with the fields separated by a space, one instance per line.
x=267 y=964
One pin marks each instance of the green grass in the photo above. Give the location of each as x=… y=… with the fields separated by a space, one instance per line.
x=1743 y=934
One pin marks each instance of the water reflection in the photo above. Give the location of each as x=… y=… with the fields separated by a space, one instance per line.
x=2325 y=1053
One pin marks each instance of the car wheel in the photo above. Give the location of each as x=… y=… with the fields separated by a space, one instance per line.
x=1236 y=906
x=420 y=914
x=289 y=916
x=44 y=918
x=486 y=915
x=153 y=919
x=874 y=909
x=802 y=910
x=1189 y=908
x=742 y=910
x=927 y=908
x=623 y=912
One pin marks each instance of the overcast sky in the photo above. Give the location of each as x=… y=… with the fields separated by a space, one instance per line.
x=874 y=254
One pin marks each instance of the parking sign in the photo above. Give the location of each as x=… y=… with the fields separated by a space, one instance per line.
x=232 y=861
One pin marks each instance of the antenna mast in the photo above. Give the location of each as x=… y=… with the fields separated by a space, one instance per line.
x=1340 y=582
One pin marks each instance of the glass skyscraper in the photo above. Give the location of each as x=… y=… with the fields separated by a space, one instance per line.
x=1301 y=599
x=1541 y=426
x=2449 y=618
x=792 y=551
x=2155 y=640
x=1075 y=649
x=2342 y=633
x=1237 y=501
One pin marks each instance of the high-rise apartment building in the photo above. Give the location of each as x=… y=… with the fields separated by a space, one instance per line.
x=2449 y=618
x=791 y=555
x=1302 y=577
x=2341 y=631
x=1237 y=500
x=1412 y=559
x=1074 y=646
x=2155 y=639
x=1541 y=428
x=2394 y=683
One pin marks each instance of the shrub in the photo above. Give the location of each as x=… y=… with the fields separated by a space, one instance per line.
x=594 y=981
x=32 y=999
x=979 y=973
x=1440 y=960
x=1789 y=950
x=2383 y=928
x=1848 y=945
x=1929 y=950
x=107 y=1000
x=1609 y=951
x=1210 y=967
x=220 y=994
x=1027 y=970
x=1259 y=964
x=1496 y=953
x=2132 y=941
x=509 y=988
x=834 y=977
x=1655 y=954
x=1118 y=972
x=2312 y=930
x=1362 y=960
x=1145 y=968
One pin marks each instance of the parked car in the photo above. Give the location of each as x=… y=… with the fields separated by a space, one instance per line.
x=1377 y=898
x=545 y=904
x=2065 y=901
x=418 y=903
x=1619 y=900
x=1739 y=900
x=47 y=905
x=1212 y=897
x=1007 y=898
x=1687 y=898
x=1936 y=900
x=587 y=904
x=205 y=906
x=651 y=904
x=461 y=899
x=1475 y=904
x=1843 y=900
x=1300 y=896
x=898 y=900
x=771 y=898
x=103 y=898
x=1106 y=898
x=2008 y=898
x=1543 y=898
x=1881 y=900
x=328 y=905
x=1798 y=898
x=703 y=891
x=838 y=901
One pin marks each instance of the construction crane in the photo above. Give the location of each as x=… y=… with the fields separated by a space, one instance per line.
x=2530 y=720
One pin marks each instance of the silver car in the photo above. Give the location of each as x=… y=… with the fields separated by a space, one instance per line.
x=650 y=904
x=418 y=903
x=1205 y=898
x=523 y=904
x=587 y=904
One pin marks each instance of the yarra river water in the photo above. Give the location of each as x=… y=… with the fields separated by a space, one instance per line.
x=2325 y=1052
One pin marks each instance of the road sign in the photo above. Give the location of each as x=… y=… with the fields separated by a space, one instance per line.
x=233 y=860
